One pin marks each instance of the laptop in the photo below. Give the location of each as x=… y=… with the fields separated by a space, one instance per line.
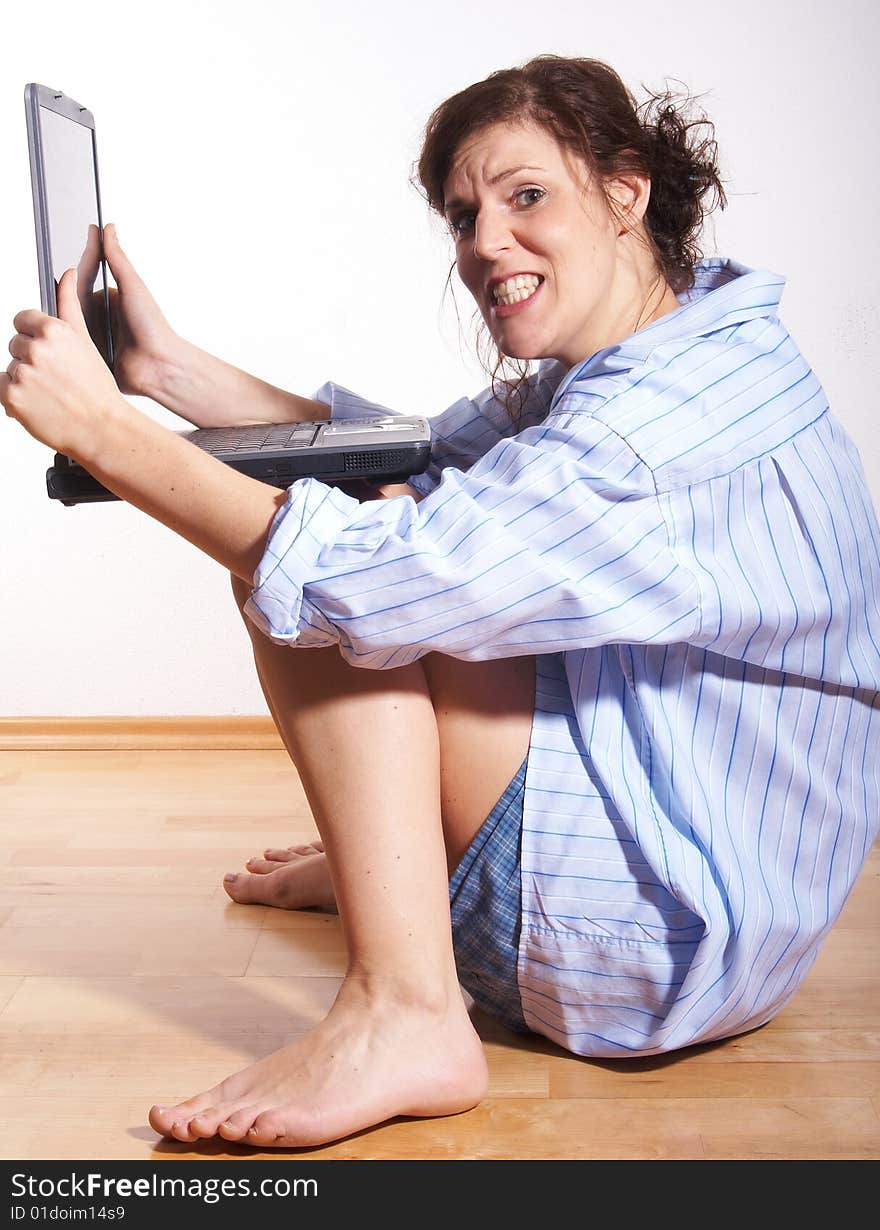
x=69 y=231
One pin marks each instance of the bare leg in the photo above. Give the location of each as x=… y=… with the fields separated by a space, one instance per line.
x=398 y=1039
x=484 y=715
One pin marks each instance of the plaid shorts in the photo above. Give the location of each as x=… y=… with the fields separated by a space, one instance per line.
x=485 y=899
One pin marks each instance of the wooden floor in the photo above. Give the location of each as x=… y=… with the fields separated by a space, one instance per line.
x=126 y=978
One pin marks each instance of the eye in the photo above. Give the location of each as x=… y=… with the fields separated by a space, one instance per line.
x=461 y=224
x=529 y=196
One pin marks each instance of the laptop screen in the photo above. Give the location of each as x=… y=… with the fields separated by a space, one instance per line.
x=73 y=217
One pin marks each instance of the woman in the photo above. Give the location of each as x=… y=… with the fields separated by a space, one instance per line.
x=611 y=662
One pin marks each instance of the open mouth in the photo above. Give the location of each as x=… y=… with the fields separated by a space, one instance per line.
x=516 y=289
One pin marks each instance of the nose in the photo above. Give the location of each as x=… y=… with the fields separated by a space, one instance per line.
x=491 y=235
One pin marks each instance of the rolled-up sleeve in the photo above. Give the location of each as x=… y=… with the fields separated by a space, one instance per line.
x=554 y=540
x=344 y=404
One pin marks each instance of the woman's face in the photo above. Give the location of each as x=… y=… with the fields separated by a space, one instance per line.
x=538 y=247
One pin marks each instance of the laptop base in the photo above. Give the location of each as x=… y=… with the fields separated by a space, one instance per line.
x=70 y=484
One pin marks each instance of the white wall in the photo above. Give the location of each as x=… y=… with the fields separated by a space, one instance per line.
x=256 y=158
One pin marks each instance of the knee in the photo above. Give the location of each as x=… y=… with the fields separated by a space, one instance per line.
x=494 y=686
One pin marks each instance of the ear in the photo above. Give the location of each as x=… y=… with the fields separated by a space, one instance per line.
x=630 y=195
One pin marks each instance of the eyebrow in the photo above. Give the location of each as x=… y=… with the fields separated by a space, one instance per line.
x=457 y=202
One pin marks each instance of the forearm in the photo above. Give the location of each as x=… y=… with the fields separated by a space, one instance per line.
x=222 y=512
x=211 y=393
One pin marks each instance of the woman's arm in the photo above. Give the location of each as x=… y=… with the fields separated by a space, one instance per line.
x=222 y=512
x=211 y=393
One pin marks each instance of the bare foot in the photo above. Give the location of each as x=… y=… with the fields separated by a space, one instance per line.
x=375 y=1056
x=292 y=879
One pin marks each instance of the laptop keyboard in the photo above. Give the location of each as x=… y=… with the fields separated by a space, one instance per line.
x=256 y=437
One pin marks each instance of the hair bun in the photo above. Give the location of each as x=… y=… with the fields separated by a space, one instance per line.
x=683 y=165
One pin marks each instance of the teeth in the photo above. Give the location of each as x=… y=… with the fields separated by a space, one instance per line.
x=516 y=289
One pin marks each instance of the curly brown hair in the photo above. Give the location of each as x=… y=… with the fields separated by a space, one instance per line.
x=585 y=105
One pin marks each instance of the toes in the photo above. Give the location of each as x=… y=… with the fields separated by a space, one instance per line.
x=161 y=1119
x=268 y=1128
x=182 y=1131
x=172 y=1123
x=260 y=866
x=284 y=855
x=206 y=1122
x=174 y=1120
x=249 y=889
x=237 y=1124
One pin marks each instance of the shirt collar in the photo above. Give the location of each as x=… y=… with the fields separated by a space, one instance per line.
x=724 y=293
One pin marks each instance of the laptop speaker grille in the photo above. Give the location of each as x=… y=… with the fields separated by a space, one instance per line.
x=377 y=460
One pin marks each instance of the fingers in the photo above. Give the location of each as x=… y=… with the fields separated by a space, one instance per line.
x=69 y=306
x=19 y=347
x=9 y=391
x=389 y=491
x=34 y=323
x=31 y=325
x=120 y=266
x=31 y=321
x=91 y=257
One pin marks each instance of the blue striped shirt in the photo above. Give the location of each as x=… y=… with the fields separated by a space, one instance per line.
x=682 y=533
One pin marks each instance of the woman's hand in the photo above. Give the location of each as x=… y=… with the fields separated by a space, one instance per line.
x=58 y=386
x=143 y=338
x=362 y=489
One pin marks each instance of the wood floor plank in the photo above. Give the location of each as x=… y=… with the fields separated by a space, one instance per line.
x=854 y=949
x=277 y=953
x=829 y=1001
x=814 y=1129
x=777 y=1044
x=160 y=1006
x=200 y=861
x=753 y=1081
x=148 y=948
x=44 y=1062
x=863 y=906
x=47 y=1127
x=9 y=984
x=118 y=915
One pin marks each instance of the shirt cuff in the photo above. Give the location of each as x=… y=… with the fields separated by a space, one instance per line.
x=423 y=483
x=312 y=516
x=347 y=405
